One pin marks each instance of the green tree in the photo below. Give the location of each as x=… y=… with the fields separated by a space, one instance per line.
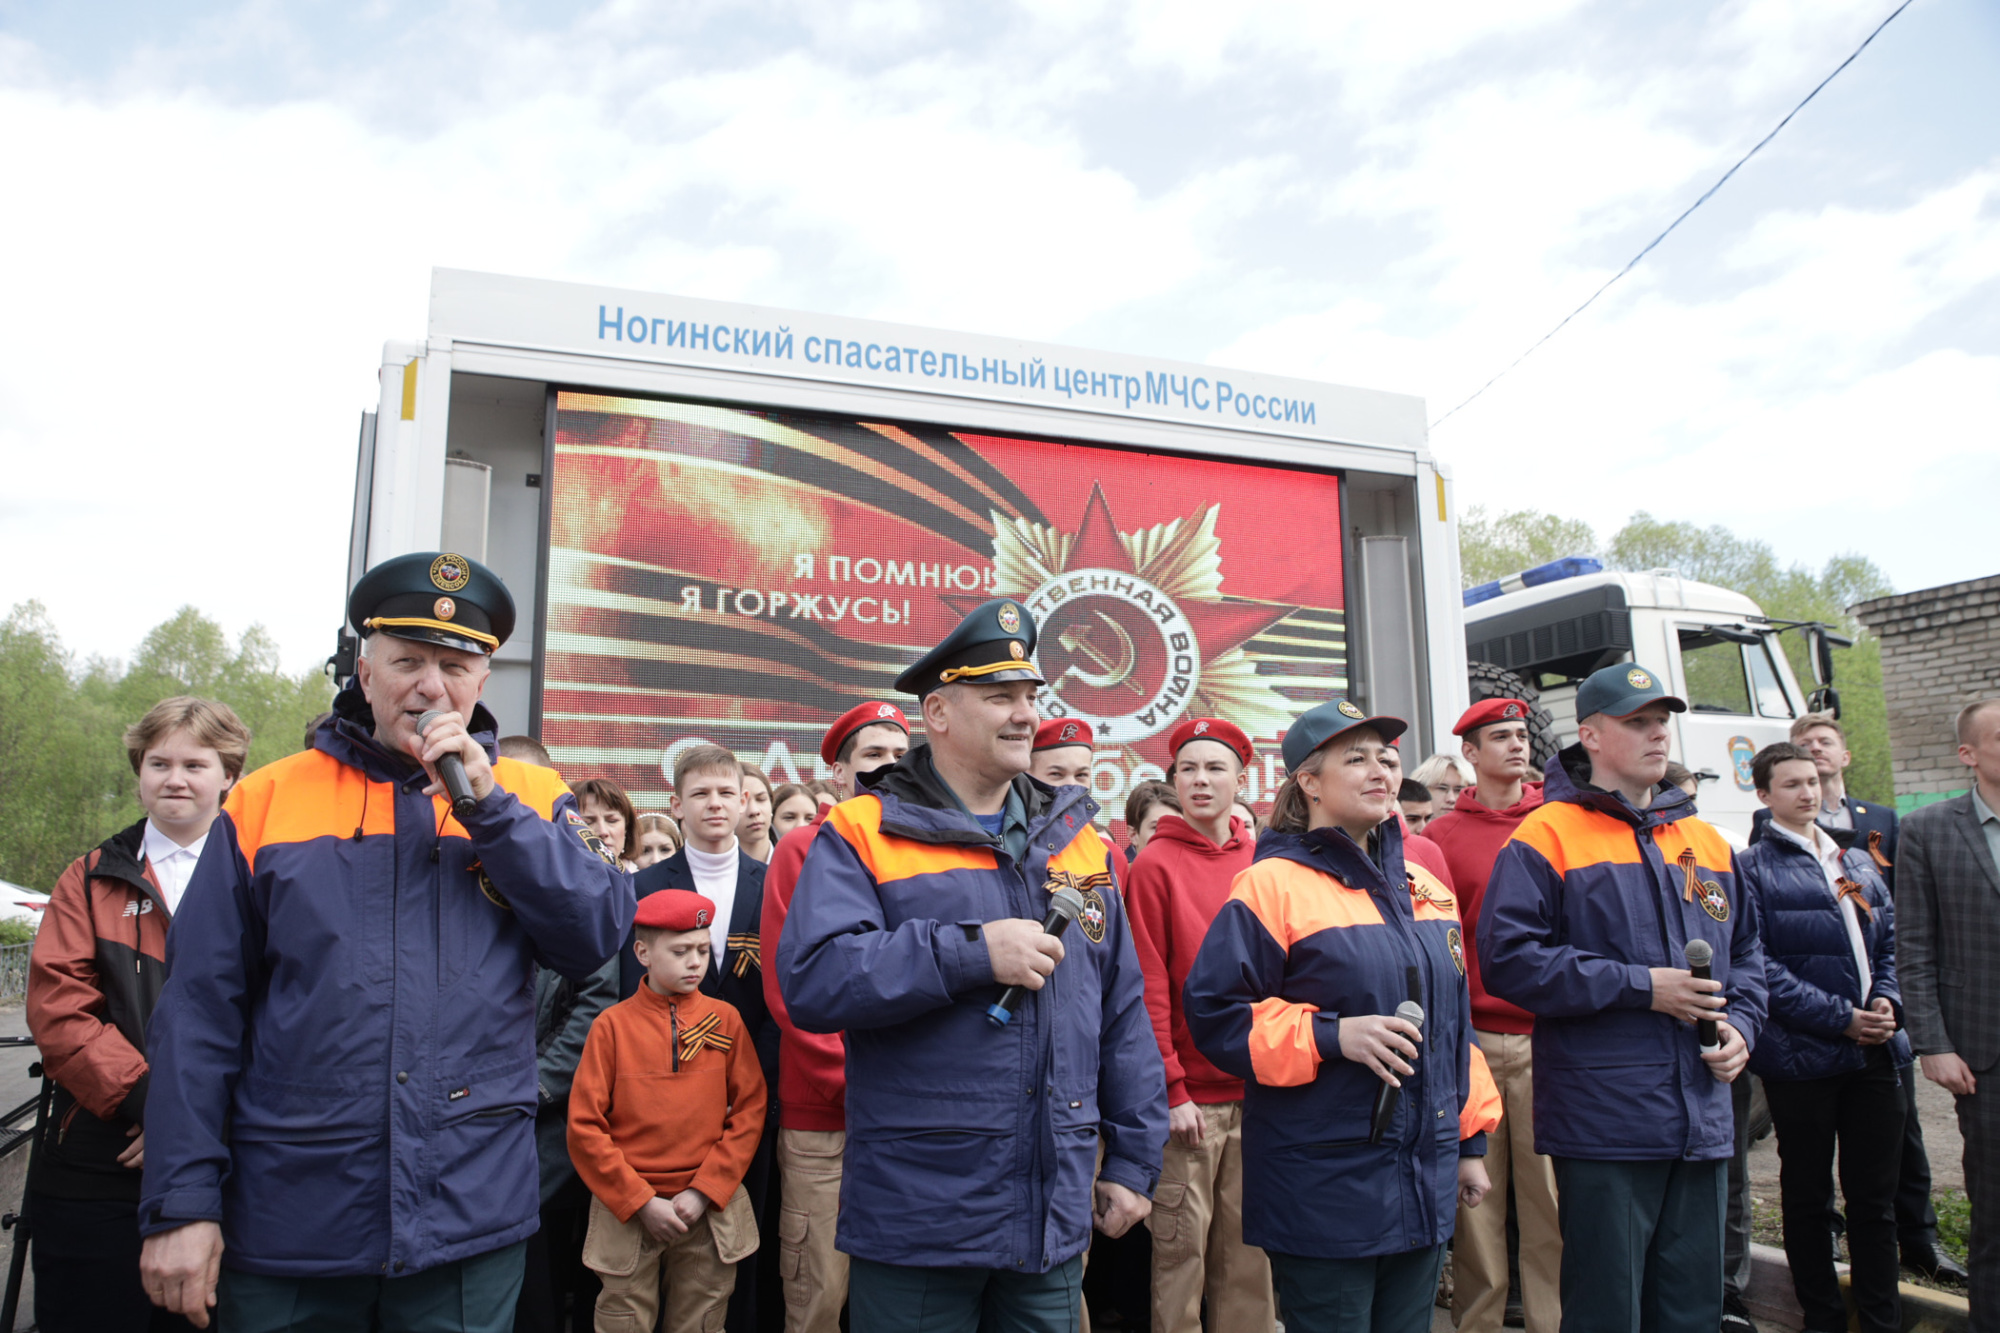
x=1491 y=548
x=65 y=781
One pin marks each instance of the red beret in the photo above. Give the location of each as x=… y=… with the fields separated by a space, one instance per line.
x=1491 y=710
x=674 y=909
x=1061 y=731
x=853 y=720
x=1212 y=729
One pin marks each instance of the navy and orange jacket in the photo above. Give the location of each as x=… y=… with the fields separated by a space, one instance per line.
x=344 y=1052
x=93 y=978
x=1588 y=895
x=1471 y=836
x=1315 y=930
x=971 y=1146
x=668 y=1096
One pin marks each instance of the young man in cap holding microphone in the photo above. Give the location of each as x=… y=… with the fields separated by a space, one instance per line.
x=1588 y=922
x=812 y=1066
x=972 y=1135
x=1493 y=734
x=1176 y=887
x=343 y=1096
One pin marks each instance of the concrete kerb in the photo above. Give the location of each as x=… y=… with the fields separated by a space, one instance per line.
x=1772 y=1302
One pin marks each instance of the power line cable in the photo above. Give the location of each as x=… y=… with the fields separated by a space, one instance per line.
x=1682 y=218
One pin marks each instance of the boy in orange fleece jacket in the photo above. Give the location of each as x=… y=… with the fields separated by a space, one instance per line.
x=664 y=1117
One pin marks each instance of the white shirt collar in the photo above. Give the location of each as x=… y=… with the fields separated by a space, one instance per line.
x=158 y=847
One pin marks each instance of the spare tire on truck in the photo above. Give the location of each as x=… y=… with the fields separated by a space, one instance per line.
x=1492 y=682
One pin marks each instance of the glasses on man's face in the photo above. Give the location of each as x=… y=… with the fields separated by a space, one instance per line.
x=1447 y=792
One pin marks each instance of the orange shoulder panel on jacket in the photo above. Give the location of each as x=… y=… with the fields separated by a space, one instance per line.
x=305 y=796
x=1568 y=836
x=1481 y=1112
x=536 y=787
x=1293 y=901
x=889 y=858
x=1084 y=856
x=1429 y=898
x=1710 y=849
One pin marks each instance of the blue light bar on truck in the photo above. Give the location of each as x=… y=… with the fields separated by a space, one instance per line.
x=1566 y=568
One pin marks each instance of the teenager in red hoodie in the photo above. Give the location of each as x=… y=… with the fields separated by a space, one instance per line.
x=812 y=1066
x=1176 y=887
x=1494 y=739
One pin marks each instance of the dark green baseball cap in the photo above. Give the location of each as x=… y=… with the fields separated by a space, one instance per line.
x=1318 y=725
x=1622 y=690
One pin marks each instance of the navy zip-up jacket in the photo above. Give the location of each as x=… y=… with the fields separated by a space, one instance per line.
x=1317 y=929
x=971 y=1146
x=1587 y=896
x=344 y=1053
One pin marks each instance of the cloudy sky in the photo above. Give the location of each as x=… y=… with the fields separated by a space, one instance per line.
x=218 y=213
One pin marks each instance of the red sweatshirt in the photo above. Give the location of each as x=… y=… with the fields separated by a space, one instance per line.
x=812 y=1066
x=1472 y=836
x=1177 y=884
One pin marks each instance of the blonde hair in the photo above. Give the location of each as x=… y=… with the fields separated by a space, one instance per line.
x=1809 y=721
x=212 y=725
x=1433 y=768
x=656 y=823
x=704 y=759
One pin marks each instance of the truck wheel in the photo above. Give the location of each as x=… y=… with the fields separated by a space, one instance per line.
x=1492 y=682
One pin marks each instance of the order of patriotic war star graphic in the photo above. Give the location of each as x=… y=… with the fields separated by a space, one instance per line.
x=1136 y=630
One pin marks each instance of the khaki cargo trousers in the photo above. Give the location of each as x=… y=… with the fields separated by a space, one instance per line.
x=696 y=1270
x=1479 y=1254
x=1197 y=1226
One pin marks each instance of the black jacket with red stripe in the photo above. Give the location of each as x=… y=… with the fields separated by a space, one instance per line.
x=95 y=973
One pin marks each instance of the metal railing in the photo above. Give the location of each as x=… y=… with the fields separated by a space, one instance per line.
x=14 y=971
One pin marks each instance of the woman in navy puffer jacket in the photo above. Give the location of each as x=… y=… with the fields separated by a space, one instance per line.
x=1830 y=1054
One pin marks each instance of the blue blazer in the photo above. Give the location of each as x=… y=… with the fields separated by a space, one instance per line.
x=737 y=975
x=1868 y=816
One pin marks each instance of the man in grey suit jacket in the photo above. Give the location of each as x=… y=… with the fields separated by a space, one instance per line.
x=1948 y=960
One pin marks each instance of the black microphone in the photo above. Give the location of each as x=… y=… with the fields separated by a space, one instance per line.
x=1700 y=953
x=1385 y=1100
x=1065 y=905
x=451 y=769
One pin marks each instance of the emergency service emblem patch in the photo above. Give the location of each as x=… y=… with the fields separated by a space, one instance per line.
x=444 y=608
x=1010 y=619
x=1456 y=943
x=1349 y=710
x=451 y=573
x=1638 y=679
x=493 y=895
x=589 y=837
x=1091 y=919
x=1713 y=900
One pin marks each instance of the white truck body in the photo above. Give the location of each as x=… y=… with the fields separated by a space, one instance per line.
x=1741 y=691
x=522 y=388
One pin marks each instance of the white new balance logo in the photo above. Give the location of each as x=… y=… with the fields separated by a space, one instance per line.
x=139 y=907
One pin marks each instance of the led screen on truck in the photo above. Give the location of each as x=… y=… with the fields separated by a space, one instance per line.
x=744 y=577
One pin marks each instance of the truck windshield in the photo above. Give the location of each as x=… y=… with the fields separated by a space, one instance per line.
x=1717 y=681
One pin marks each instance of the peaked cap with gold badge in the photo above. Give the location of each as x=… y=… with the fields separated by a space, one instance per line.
x=993 y=643
x=433 y=597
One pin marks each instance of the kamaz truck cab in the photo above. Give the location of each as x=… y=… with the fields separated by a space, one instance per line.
x=1537 y=634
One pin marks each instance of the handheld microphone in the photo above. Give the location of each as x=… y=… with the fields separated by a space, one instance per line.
x=1385 y=1099
x=1700 y=953
x=1065 y=905
x=451 y=769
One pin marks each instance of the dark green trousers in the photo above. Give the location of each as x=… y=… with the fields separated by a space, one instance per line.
x=1642 y=1245
x=1388 y=1293
x=893 y=1298
x=475 y=1295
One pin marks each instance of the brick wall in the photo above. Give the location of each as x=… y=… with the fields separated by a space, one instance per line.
x=1940 y=651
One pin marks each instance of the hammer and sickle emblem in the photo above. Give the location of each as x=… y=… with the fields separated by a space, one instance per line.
x=1112 y=671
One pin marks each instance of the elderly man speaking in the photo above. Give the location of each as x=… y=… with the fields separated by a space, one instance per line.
x=342 y=1107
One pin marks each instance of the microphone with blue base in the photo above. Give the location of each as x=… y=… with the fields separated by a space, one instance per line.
x=1065 y=905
